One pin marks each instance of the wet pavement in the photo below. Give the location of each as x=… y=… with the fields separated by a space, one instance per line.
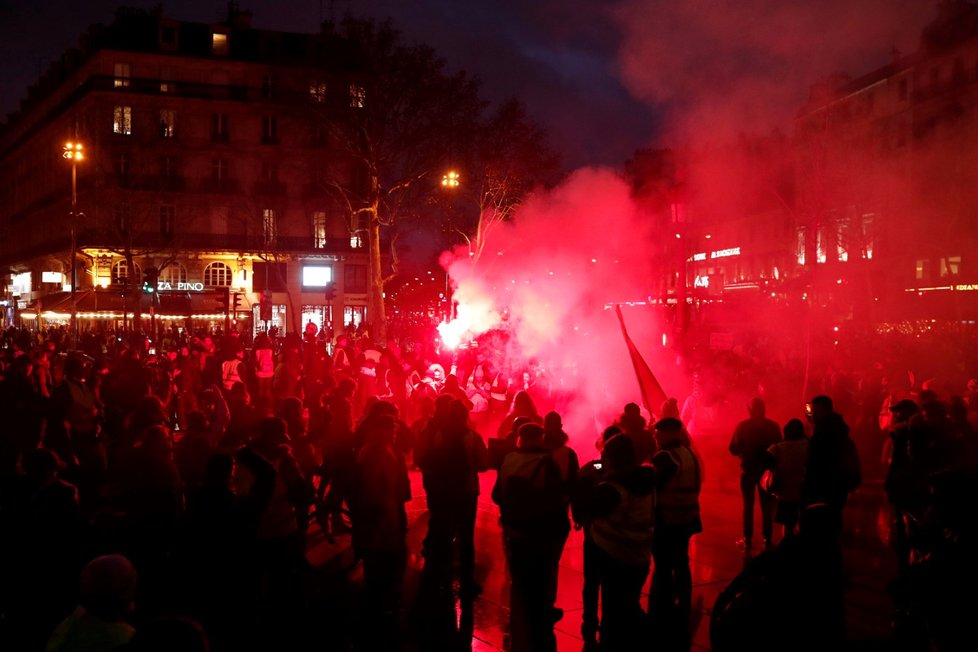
x=715 y=560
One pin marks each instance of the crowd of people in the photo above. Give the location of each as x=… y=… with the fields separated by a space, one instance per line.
x=160 y=495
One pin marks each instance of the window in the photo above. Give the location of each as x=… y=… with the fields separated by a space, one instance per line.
x=121 y=75
x=354 y=315
x=123 y=218
x=800 y=248
x=358 y=96
x=219 y=169
x=921 y=271
x=219 y=127
x=168 y=216
x=355 y=278
x=269 y=129
x=356 y=241
x=217 y=275
x=219 y=43
x=317 y=91
x=168 y=87
x=123 y=166
x=174 y=273
x=122 y=120
x=319 y=229
x=120 y=272
x=269 y=226
x=168 y=166
x=950 y=266
x=269 y=172
x=320 y=135
x=168 y=123
x=267 y=87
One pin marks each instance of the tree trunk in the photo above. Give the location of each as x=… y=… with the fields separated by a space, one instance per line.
x=376 y=314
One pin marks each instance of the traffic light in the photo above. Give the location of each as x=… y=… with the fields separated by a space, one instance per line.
x=150 y=279
x=265 y=307
x=330 y=292
x=235 y=303
x=223 y=298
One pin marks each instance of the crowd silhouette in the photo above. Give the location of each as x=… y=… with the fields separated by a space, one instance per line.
x=166 y=500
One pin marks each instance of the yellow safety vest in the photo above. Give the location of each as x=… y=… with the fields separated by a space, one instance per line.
x=626 y=533
x=678 y=499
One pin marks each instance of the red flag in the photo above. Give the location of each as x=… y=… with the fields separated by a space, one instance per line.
x=652 y=394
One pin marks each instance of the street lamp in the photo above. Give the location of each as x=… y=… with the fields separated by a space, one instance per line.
x=73 y=151
x=450 y=181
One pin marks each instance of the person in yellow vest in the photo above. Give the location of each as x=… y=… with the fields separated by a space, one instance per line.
x=677 y=519
x=622 y=527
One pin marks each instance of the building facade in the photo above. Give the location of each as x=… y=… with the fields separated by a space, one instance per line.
x=208 y=171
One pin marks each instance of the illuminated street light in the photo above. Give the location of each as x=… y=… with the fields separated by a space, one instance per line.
x=73 y=151
x=450 y=179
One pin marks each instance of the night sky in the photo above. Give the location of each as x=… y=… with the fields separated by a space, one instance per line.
x=605 y=77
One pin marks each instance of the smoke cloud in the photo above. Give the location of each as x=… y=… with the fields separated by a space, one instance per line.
x=723 y=67
x=548 y=276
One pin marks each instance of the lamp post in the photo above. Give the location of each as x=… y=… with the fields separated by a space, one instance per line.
x=73 y=152
x=450 y=182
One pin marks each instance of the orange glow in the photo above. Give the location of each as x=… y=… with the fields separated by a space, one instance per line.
x=450 y=179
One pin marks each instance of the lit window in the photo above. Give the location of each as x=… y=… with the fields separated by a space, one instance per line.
x=801 y=247
x=121 y=75
x=920 y=272
x=317 y=91
x=219 y=43
x=269 y=226
x=168 y=123
x=120 y=272
x=358 y=96
x=356 y=241
x=174 y=273
x=122 y=120
x=950 y=266
x=217 y=275
x=319 y=229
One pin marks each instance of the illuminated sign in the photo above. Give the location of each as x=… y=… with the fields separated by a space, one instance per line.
x=317 y=276
x=699 y=256
x=967 y=287
x=701 y=282
x=165 y=286
x=723 y=253
x=52 y=277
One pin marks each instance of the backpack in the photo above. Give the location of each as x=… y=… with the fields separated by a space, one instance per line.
x=528 y=506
